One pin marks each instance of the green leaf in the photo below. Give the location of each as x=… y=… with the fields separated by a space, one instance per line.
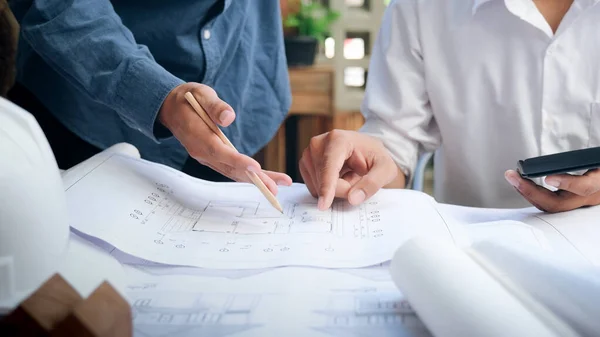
x=313 y=19
x=292 y=21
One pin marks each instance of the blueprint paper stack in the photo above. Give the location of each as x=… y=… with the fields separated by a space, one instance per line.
x=214 y=259
x=161 y=215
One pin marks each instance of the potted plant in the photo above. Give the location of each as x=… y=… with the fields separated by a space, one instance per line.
x=311 y=22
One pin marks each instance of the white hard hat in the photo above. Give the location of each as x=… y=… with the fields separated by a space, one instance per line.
x=34 y=227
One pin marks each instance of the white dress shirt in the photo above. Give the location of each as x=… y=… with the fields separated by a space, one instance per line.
x=486 y=83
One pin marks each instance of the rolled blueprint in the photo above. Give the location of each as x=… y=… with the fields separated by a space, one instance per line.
x=455 y=296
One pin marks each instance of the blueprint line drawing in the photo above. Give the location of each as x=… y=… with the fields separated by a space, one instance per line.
x=158 y=314
x=176 y=310
x=380 y=314
x=158 y=214
x=240 y=217
x=230 y=217
x=249 y=218
x=297 y=218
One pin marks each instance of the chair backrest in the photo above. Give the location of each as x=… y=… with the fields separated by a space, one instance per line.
x=419 y=175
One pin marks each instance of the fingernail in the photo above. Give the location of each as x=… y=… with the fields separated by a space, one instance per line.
x=512 y=180
x=252 y=169
x=357 y=197
x=225 y=116
x=282 y=183
x=553 y=182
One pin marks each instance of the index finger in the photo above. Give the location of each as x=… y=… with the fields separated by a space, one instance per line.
x=334 y=156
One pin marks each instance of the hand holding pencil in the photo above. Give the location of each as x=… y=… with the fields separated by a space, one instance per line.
x=201 y=141
x=214 y=128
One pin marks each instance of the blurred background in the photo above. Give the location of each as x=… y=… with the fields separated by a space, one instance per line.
x=328 y=46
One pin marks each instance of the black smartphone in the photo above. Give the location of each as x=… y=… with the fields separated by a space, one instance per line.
x=563 y=162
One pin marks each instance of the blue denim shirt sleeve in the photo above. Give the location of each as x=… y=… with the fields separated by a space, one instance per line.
x=86 y=42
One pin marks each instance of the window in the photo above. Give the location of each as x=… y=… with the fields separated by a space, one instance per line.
x=354 y=77
x=348 y=48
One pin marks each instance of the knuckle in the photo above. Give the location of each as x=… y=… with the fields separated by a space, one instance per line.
x=335 y=134
x=203 y=93
x=178 y=95
x=200 y=88
x=314 y=143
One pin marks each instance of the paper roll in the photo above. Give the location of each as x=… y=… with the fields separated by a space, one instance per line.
x=455 y=296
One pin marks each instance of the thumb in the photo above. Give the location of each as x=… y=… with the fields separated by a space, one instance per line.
x=220 y=112
x=382 y=173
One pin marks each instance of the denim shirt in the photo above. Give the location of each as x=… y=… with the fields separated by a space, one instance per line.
x=103 y=68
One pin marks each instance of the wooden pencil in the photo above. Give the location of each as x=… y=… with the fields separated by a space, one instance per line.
x=252 y=175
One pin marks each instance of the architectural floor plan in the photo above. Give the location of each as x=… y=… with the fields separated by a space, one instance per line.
x=159 y=214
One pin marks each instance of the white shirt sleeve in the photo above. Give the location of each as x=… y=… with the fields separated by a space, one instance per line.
x=396 y=105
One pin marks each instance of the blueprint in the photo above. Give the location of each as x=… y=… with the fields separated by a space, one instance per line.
x=338 y=305
x=158 y=314
x=379 y=272
x=161 y=215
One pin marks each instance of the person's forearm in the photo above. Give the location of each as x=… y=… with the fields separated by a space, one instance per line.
x=86 y=42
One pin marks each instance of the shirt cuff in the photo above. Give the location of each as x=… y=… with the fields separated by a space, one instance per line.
x=140 y=95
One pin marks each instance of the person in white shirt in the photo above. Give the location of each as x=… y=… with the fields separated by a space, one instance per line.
x=484 y=83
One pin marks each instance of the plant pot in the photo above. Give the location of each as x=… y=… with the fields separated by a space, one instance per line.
x=300 y=50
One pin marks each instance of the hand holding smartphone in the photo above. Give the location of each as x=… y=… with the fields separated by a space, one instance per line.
x=558 y=163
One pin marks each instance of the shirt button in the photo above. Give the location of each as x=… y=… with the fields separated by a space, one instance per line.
x=206 y=34
x=551 y=49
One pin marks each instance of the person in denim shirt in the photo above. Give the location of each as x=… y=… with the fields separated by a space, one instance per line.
x=98 y=72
